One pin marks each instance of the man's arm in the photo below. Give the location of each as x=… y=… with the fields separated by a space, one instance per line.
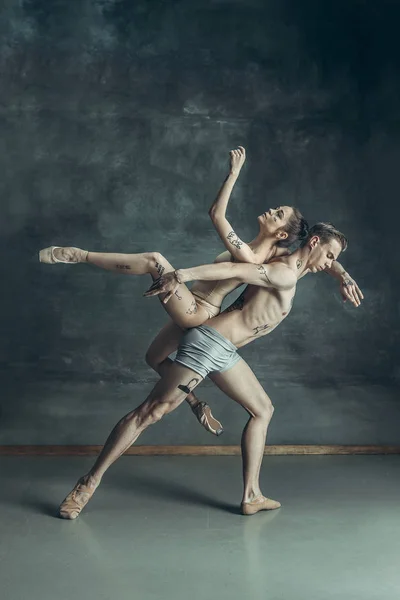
x=239 y=249
x=275 y=275
x=348 y=287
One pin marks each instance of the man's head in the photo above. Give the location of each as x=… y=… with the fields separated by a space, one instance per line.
x=325 y=243
x=285 y=223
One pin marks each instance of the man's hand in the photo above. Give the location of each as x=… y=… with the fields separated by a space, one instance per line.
x=167 y=283
x=350 y=291
x=237 y=159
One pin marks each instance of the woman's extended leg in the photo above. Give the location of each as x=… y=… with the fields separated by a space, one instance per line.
x=167 y=395
x=182 y=307
x=157 y=357
x=240 y=384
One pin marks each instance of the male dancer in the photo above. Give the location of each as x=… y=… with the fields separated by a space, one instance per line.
x=210 y=349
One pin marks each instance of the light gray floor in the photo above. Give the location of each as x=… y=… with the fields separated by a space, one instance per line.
x=169 y=528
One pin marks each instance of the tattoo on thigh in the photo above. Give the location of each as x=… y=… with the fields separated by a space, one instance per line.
x=260 y=328
x=238 y=304
x=190 y=385
x=263 y=272
x=160 y=269
x=234 y=240
x=123 y=267
x=192 y=310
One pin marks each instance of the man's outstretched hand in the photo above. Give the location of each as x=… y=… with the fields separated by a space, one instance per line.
x=350 y=291
x=167 y=283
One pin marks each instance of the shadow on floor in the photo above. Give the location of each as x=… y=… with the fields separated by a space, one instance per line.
x=159 y=488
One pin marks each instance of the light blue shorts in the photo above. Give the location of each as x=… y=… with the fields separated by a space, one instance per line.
x=205 y=350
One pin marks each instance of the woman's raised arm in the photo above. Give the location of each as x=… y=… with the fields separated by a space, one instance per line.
x=239 y=249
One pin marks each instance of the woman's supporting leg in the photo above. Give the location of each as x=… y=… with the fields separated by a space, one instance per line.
x=164 y=398
x=240 y=384
x=182 y=307
x=157 y=357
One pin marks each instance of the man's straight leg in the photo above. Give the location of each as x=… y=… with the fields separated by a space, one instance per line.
x=240 y=384
x=167 y=395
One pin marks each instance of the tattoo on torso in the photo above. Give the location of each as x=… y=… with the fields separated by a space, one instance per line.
x=299 y=263
x=237 y=304
x=234 y=240
x=259 y=328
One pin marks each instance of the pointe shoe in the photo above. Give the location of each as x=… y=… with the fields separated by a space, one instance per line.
x=47 y=256
x=261 y=503
x=76 y=500
x=205 y=417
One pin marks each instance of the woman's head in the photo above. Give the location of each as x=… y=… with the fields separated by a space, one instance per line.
x=285 y=223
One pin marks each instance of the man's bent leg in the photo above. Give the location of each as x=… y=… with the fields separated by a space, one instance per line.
x=240 y=384
x=168 y=393
x=157 y=357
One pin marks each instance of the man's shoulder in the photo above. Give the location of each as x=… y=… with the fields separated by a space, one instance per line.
x=283 y=274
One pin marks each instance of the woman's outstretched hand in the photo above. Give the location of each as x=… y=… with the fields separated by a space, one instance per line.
x=167 y=283
x=237 y=158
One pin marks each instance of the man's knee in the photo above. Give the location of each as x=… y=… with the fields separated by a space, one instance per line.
x=266 y=409
x=151 y=359
x=156 y=362
x=154 y=411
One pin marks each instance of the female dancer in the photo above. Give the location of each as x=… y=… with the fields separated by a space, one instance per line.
x=279 y=228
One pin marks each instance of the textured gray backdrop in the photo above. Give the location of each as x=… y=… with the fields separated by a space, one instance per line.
x=116 y=120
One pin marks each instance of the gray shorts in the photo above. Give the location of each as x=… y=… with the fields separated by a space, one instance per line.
x=204 y=350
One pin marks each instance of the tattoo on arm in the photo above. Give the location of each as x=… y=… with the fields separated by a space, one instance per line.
x=127 y=267
x=347 y=282
x=234 y=240
x=192 y=310
x=299 y=263
x=160 y=269
x=190 y=386
x=263 y=272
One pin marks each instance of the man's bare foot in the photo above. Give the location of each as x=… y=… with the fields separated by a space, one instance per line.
x=77 y=499
x=58 y=254
x=260 y=503
x=205 y=417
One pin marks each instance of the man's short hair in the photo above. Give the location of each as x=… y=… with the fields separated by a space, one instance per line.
x=327 y=231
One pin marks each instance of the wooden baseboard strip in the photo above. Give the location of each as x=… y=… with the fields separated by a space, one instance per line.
x=280 y=450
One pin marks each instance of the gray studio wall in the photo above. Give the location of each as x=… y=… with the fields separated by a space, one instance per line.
x=116 y=120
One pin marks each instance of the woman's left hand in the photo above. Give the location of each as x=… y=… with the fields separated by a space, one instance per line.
x=237 y=157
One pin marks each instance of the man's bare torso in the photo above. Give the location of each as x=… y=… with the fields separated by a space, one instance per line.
x=255 y=313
